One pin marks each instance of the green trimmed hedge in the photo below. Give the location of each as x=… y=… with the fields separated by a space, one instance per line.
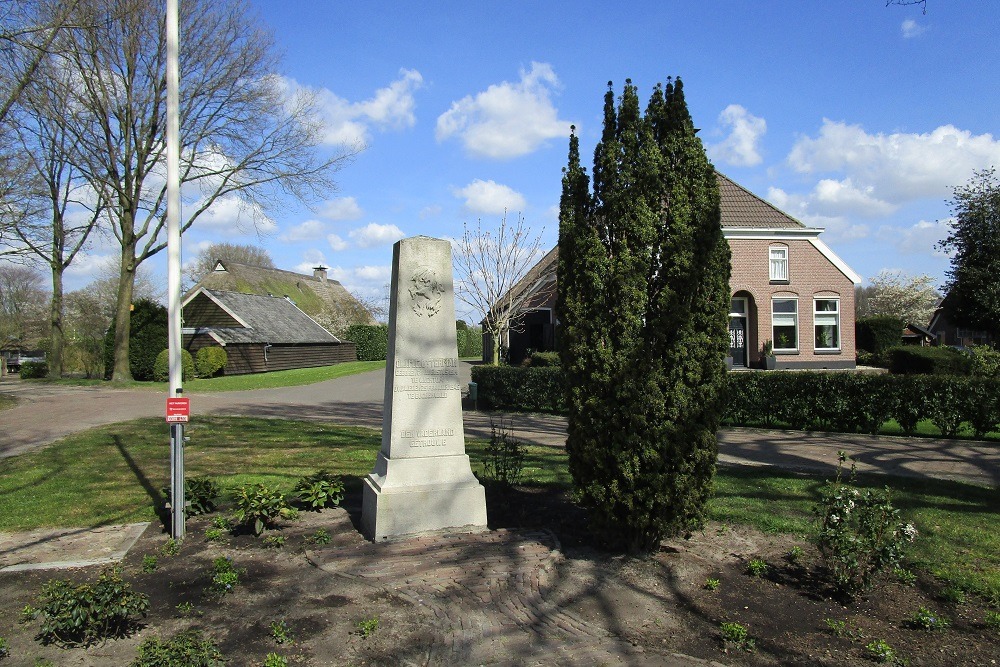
x=521 y=389
x=840 y=402
x=161 y=367
x=372 y=340
x=470 y=342
x=916 y=360
x=34 y=370
x=210 y=361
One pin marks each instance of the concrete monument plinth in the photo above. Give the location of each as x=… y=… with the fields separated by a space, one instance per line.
x=422 y=478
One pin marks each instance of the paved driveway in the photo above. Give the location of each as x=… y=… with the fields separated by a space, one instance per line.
x=49 y=412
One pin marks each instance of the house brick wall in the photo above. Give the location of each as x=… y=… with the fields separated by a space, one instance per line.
x=810 y=275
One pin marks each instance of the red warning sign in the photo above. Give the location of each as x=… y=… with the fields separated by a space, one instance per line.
x=178 y=410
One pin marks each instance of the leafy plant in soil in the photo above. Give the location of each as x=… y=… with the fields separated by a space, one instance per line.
x=81 y=614
x=185 y=649
x=258 y=506
x=320 y=490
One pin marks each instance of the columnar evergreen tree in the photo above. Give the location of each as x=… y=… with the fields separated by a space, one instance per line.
x=643 y=308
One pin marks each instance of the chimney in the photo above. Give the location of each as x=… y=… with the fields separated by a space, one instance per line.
x=319 y=273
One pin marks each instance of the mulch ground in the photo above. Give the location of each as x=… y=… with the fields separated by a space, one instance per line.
x=532 y=591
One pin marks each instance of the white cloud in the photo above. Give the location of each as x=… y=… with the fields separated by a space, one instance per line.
x=741 y=147
x=506 y=120
x=310 y=230
x=336 y=242
x=803 y=208
x=490 y=197
x=342 y=208
x=234 y=216
x=374 y=234
x=347 y=123
x=368 y=280
x=431 y=211
x=919 y=239
x=312 y=258
x=899 y=167
x=911 y=28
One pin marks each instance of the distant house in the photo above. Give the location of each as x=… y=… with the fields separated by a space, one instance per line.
x=325 y=300
x=259 y=333
x=917 y=335
x=949 y=333
x=787 y=287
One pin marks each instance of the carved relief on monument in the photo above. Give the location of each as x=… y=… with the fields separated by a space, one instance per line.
x=425 y=291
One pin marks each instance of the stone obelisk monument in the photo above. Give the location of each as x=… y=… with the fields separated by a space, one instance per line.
x=422 y=478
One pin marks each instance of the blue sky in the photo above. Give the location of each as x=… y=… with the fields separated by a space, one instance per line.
x=852 y=116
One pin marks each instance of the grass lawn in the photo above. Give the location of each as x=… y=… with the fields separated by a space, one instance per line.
x=292 y=378
x=115 y=474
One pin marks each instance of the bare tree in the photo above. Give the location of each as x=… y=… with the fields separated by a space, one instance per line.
x=489 y=265
x=22 y=306
x=897 y=294
x=56 y=232
x=204 y=262
x=243 y=138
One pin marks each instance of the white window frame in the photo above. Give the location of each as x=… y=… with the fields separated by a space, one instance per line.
x=778 y=316
x=825 y=315
x=777 y=262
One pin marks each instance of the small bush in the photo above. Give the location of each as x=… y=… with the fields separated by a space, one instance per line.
x=880 y=651
x=712 y=584
x=185 y=649
x=925 y=619
x=161 y=367
x=520 y=389
x=275 y=660
x=877 y=334
x=505 y=454
x=200 y=493
x=34 y=370
x=281 y=633
x=257 y=506
x=860 y=533
x=757 y=567
x=274 y=541
x=4 y=648
x=368 y=627
x=735 y=635
x=543 y=359
x=210 y=361
x=372 y=340
x=148 y=563
x=320 y=490
x=225 y=576
x=81 y=614
x=320 y=537
x=915 y=360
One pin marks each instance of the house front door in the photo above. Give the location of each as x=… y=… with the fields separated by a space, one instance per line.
x=738 y=333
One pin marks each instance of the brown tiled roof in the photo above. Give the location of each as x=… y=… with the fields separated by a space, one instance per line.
x=742 y=208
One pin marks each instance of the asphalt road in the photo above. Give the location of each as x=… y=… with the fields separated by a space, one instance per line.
x=47 y=412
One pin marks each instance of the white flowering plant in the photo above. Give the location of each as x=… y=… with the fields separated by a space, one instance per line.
x=861 y=533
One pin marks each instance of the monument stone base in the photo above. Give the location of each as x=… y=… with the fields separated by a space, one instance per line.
x=407 y=496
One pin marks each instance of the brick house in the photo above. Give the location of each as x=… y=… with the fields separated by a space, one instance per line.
x=788 y=287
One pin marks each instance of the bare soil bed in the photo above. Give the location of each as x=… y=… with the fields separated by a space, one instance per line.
x=533 y=591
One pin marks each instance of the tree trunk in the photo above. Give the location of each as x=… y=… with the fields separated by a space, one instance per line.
x=496 y=336
x=56 y=333
x=123 y=314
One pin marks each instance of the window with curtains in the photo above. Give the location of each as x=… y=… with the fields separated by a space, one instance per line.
x=826 y=323
x=785 y=324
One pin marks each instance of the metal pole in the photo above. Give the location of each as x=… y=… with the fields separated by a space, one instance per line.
x=174 y=338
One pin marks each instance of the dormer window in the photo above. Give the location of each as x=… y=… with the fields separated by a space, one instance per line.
x=778 y=256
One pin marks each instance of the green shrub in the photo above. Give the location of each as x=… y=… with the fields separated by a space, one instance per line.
x=258 y=506
x=878 y=333
x=915 y=360
x=161 y=367
x=520 y=389
x=4 y=648
x=201 y=494
x=372 y=340
x=225 y=575
x=504 y=462
x=188 y=648
x=275 y=660
x=148 y=335
x=320 y=490
x=470 y=342
x=210 y=361
x=860 y=533
x=34 y=370
x=541 y=359
x=81 y=614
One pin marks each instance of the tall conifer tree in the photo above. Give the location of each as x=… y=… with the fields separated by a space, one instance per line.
x=643 y=308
